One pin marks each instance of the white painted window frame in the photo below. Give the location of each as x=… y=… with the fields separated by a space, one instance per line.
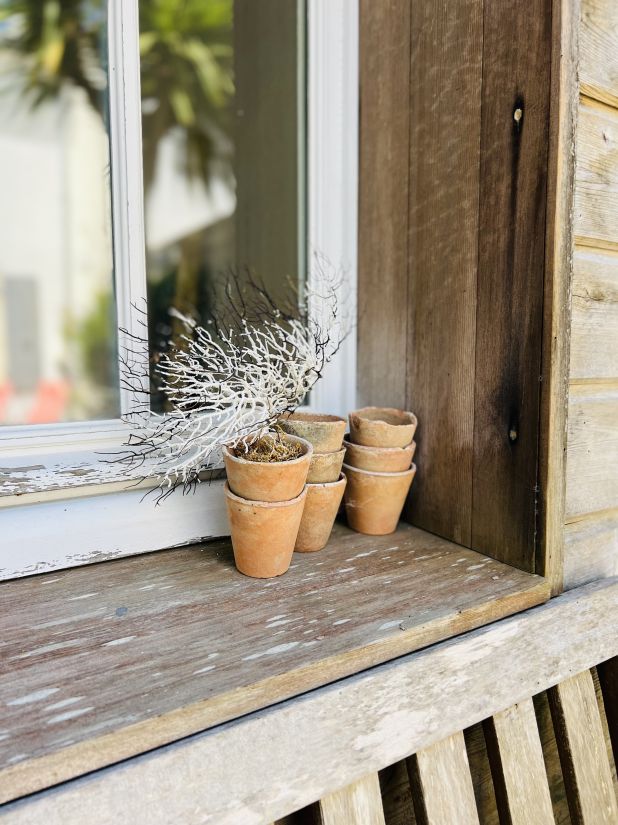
x=50 y=516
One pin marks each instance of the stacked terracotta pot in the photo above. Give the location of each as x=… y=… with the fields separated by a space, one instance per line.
x=378 y=466
x=325 y=481
x=265 y=502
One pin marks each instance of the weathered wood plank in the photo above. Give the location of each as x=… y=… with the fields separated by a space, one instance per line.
x=595 y=217
x=592 y=451
x=441 y=784
x=383 y=201
x=594 y=331
x=599 y=50
x=356 y=804
x=444 y=168
x=278 y=760
x=608 y=679
x=591 y=548
x=512 y=225
x=172 y=631
x=517 y=766
x=563 y=110
x=583 y=754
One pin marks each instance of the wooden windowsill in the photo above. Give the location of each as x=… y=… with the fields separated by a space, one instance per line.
x=101 y=663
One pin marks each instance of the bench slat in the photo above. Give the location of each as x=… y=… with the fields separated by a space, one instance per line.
x=442 y=789
x=356 y=804
x=583 y=753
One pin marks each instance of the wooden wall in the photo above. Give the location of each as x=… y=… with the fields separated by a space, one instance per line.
x=454 y=145
x=591 y=533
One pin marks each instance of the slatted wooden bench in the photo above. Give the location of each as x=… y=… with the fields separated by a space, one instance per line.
x=329 y=744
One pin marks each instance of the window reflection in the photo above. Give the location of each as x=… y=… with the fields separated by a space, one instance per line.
x=57 y=316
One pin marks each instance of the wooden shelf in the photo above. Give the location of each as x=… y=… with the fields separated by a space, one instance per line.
x=101 y=663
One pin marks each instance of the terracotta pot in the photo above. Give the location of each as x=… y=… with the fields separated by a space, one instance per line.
x=379 y=459
x=268 y=481
x=324 y=432
x=325 y=467
x=374 y=501
x=382 y=427
x=263 y=533
x=321 y=507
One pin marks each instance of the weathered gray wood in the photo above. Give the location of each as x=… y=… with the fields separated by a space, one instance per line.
x=278 y=760
x=383 y=202
x=591 y=548
x=592 y=451
x=583 y=755
x=441 y=784
x=599 y=50
x=446 y=69
x=197 y=643
x=356 y=804
x=517 y=766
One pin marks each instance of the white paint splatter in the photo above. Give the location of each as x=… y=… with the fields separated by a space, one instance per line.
x=64 y=703
x=204 y=669
x=121 y=641
x=341 y=621
x=37 y=696
x=83 y=596
x=388 y=625
x=70 y=714
x=272 y=651
x=346 y=569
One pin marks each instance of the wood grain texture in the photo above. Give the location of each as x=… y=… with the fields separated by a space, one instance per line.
x=594 y=331
x=278 y=760
x=446 y=69
x=583 y=754
x=517 y=765
x=595 y=219
x=599 y=50
x=591 y=548
x=563 y=109
x=592 y=458
x=356 y=804
x=383 y=201
x=441 y=784
x=513 y=181
x=183 y=658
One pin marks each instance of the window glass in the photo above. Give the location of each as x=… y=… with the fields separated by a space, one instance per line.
x=223 y=132
x=58 y=358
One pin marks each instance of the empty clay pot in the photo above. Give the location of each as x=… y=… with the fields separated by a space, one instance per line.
x=321 y=508
x=268 y=481
x=382 y=427
x=325 y=467
x=379 y=459
x=263 y=533
x=374 y=501
x=324 y=432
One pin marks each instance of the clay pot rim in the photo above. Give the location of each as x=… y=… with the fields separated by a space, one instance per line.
x=312 y=418
x=341 y=480
x=347 y=443
x=406 y=417
x=328 y=452
x=383 y=475
x=288 y=437
x=266 y=505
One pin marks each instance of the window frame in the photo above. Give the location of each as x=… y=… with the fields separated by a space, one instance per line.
x=89 y=521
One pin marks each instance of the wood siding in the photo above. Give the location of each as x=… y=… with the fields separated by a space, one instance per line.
x=591 y=532
x=454 y=144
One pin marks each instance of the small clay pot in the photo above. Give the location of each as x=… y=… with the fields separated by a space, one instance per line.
x=382 y=427
x=374 y=501
x=321 y=508
x=379 y=459
x=324 y=432
x=268 y=481
x=325 y=467
x=263 y=533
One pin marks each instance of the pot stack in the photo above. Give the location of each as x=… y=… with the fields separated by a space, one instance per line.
x=325 y=481
x=265 y=503
x=378 y=466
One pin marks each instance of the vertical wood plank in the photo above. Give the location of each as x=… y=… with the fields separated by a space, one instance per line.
x=608 y=678
x=514 y=146
x=442 y=785
x=383 y=201
x=358 y=804
x=583 y=753
x=517 y=766
x=445 y=111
